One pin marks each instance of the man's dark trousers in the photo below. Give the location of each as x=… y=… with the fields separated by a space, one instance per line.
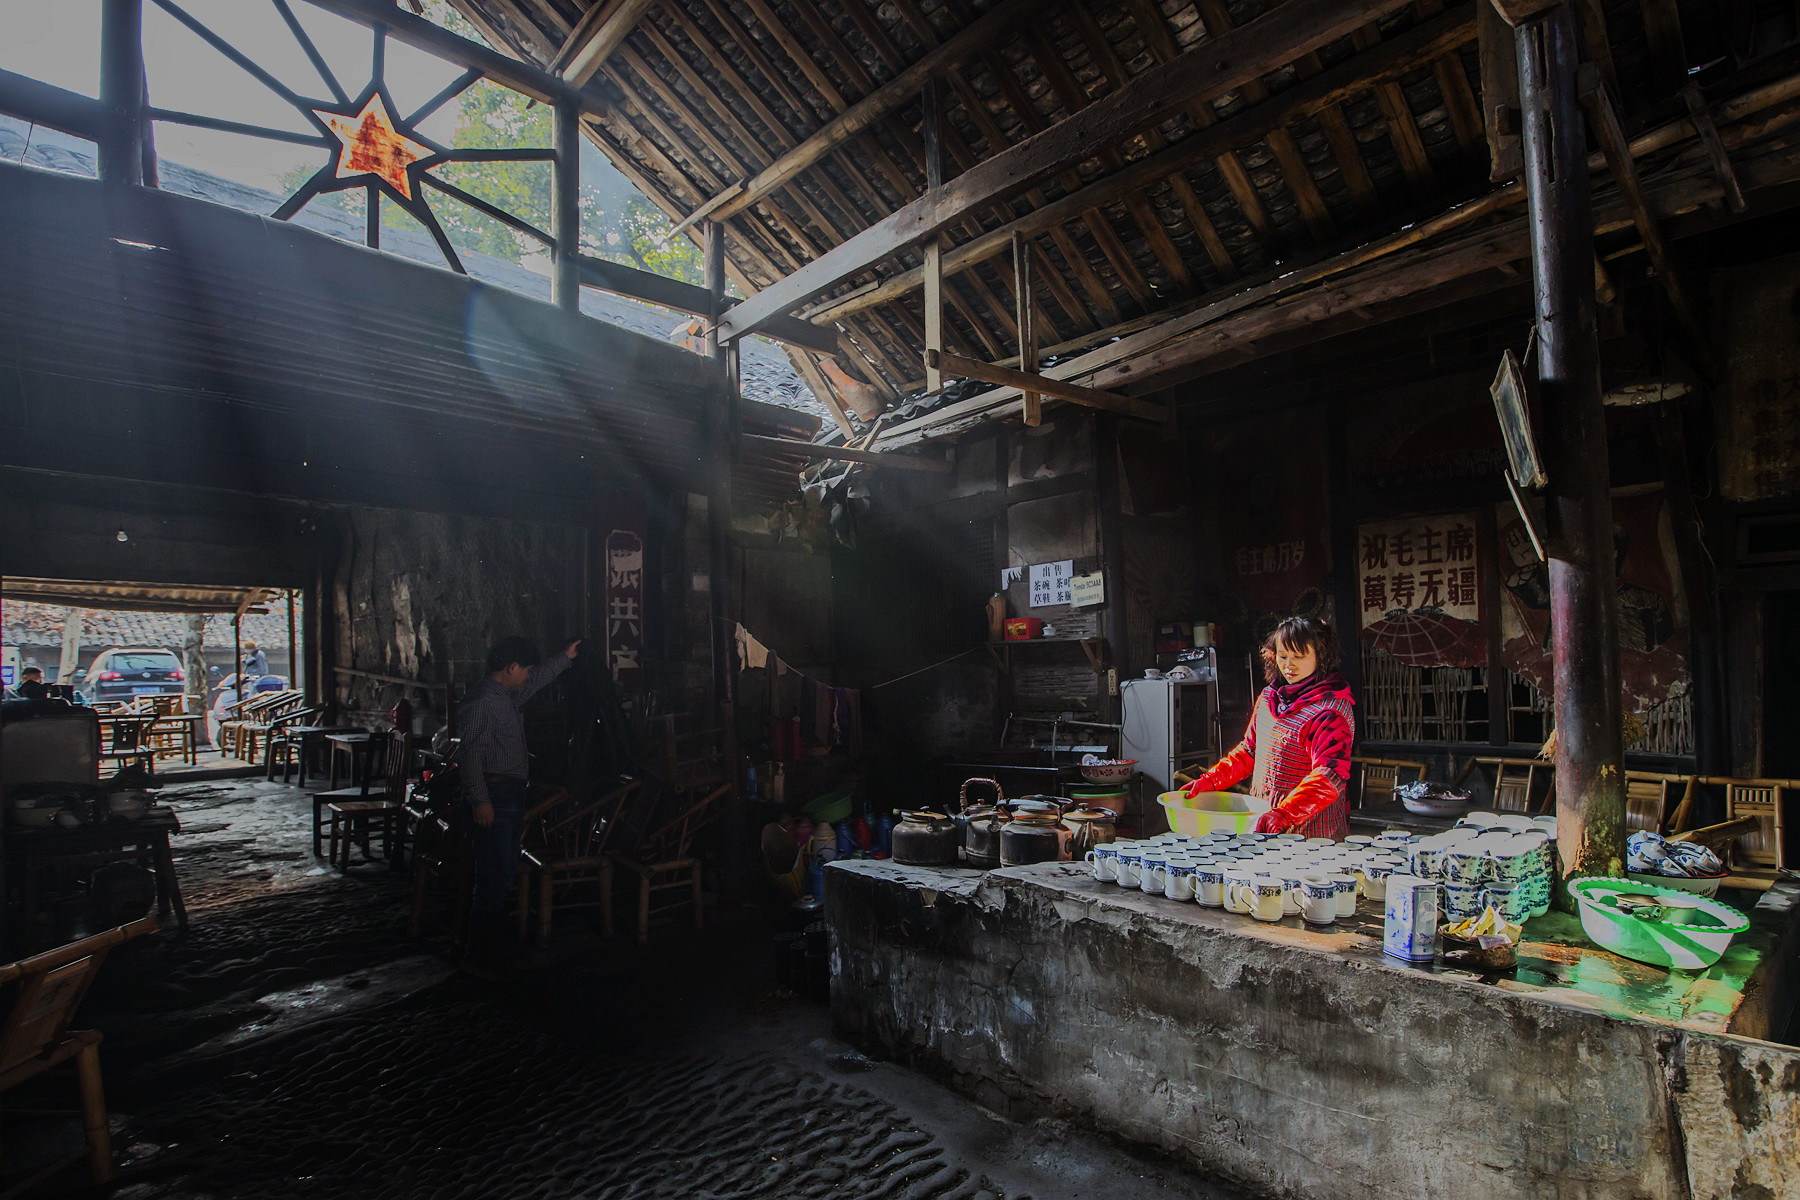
x=497 y=846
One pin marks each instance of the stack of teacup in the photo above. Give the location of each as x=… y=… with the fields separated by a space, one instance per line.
x=1498 y=860
x=1268 y=876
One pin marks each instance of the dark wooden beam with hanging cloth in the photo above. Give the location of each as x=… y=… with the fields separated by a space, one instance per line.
x=416 y=31
x=1219 y=66
x=1403 y=53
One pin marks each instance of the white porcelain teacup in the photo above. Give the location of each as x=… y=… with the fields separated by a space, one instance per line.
x=1178 y=882
x=1104 y=861
x=1268 y=897
x=1155 y=870
x=1344 y=885
x=1318 y=900
x=1131 y=864
x=1375 y=878
x=1209 y=885
x=1238 y=890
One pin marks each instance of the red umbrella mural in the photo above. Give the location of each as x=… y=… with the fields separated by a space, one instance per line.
x=1429 y=638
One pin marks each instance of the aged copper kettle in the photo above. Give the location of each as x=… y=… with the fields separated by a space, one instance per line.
x=981 y=825
x=1035 y=834
x=926 y=839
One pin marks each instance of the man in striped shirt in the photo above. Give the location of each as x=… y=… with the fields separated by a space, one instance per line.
x=495 y=766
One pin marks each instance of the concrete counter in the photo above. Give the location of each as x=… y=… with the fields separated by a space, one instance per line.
x=1305 y=1062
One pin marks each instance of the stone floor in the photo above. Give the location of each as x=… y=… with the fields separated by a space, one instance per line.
x=297 y=1043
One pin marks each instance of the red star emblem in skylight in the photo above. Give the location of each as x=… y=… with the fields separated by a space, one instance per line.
x=372 y=146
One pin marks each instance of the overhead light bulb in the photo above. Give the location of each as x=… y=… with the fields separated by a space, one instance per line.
x=122 y=536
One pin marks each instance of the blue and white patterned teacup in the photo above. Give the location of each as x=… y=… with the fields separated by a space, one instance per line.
x=1464 y=864
x=1512 y=901
x=1462 y=900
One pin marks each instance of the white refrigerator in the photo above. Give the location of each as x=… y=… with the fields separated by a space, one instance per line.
x=1169 y=726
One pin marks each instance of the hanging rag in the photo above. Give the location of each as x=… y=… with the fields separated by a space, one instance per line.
x=751 y=653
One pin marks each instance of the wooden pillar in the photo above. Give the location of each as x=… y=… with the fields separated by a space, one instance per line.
x=565 y=208
x=932 y=249
x=1590 y=782
x=716 y=434
x=1346 y=596
x=1111 y=522
x=1711 y=751
x=121 y=146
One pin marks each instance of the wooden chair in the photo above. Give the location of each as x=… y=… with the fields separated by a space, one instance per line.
x=36 y=1036
x=353 y=815
x=564 y=851
x=660 y=857
x=253 y=738
x=1380 y=776
x=1515 y=779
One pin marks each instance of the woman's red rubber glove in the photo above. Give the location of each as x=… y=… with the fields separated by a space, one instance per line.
x=1274 y=821
x=1222 y=774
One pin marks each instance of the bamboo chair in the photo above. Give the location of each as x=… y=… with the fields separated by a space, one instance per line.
x=1380 y=776
x=1651 y=797
x=1514 y=781
x=353 y=816
x=254 y=737
x=662 y=861
x=243 y=716
x=564 y=850
x=36 y=1037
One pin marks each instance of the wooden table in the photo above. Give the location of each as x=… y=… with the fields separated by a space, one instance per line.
x=133 y=729
x=183 y=727
x=94 y=845
x=347 y=744
x=309 y=736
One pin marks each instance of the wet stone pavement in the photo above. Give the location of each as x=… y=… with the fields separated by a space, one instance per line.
x=298 y=1043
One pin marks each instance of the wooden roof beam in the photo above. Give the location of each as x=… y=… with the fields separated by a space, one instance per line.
x=897 y=92
x=1221 y=65
x=601 y=30
x=911 y=462
x=1060 y=389
x=416 y=31
x=1404 y=52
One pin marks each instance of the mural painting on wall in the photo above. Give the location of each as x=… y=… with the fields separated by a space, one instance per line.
x=624 y=606
x=1270 y=493
x=1418 y=587
x=1652 y=624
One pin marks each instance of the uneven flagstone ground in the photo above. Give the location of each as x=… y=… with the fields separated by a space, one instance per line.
x=298 y=1043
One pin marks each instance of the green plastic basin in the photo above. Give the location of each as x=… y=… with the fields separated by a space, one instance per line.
x=1692 y=943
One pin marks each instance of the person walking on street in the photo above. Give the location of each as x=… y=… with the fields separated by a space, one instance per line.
x=495 y=767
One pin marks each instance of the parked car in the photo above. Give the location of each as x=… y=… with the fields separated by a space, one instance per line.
x=126 y=674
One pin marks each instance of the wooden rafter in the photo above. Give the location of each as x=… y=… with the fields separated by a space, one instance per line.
x=1243 y=54
x=1334 y=84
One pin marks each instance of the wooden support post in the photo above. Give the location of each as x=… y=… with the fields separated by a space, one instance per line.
x=1112 y=555
x=565 y=208
x=933 y=247
x=1590 y=780
x=1028 y=347
x=717 y=451
x=1711 y=749
x=121 y=143
x=293 y=664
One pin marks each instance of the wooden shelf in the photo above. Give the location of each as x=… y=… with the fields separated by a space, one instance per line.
x=1096 y=649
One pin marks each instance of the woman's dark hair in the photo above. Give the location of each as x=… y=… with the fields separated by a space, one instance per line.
x=507 y=651
x=1301 y=634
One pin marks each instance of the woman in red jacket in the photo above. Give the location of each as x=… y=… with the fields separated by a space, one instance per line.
x=1297 y=746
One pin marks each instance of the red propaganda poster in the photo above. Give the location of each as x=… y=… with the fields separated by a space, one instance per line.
x=624 y=606
x=1418 y=588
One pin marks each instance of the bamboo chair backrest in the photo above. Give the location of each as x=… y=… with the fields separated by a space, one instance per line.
x=674 y=836
x=1380 y=776
x=565 y=830
x=1760 y=799
x=1647 y=796
x=51 y=987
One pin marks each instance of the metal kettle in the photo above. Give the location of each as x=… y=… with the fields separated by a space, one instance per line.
x=926 y=839
x=1090 y=826
x=1035 y=834
x=981 y=825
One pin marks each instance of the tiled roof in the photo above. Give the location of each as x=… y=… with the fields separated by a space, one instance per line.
x=29 y=624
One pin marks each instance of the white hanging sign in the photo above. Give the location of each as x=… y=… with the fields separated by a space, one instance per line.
x=1051 y=583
